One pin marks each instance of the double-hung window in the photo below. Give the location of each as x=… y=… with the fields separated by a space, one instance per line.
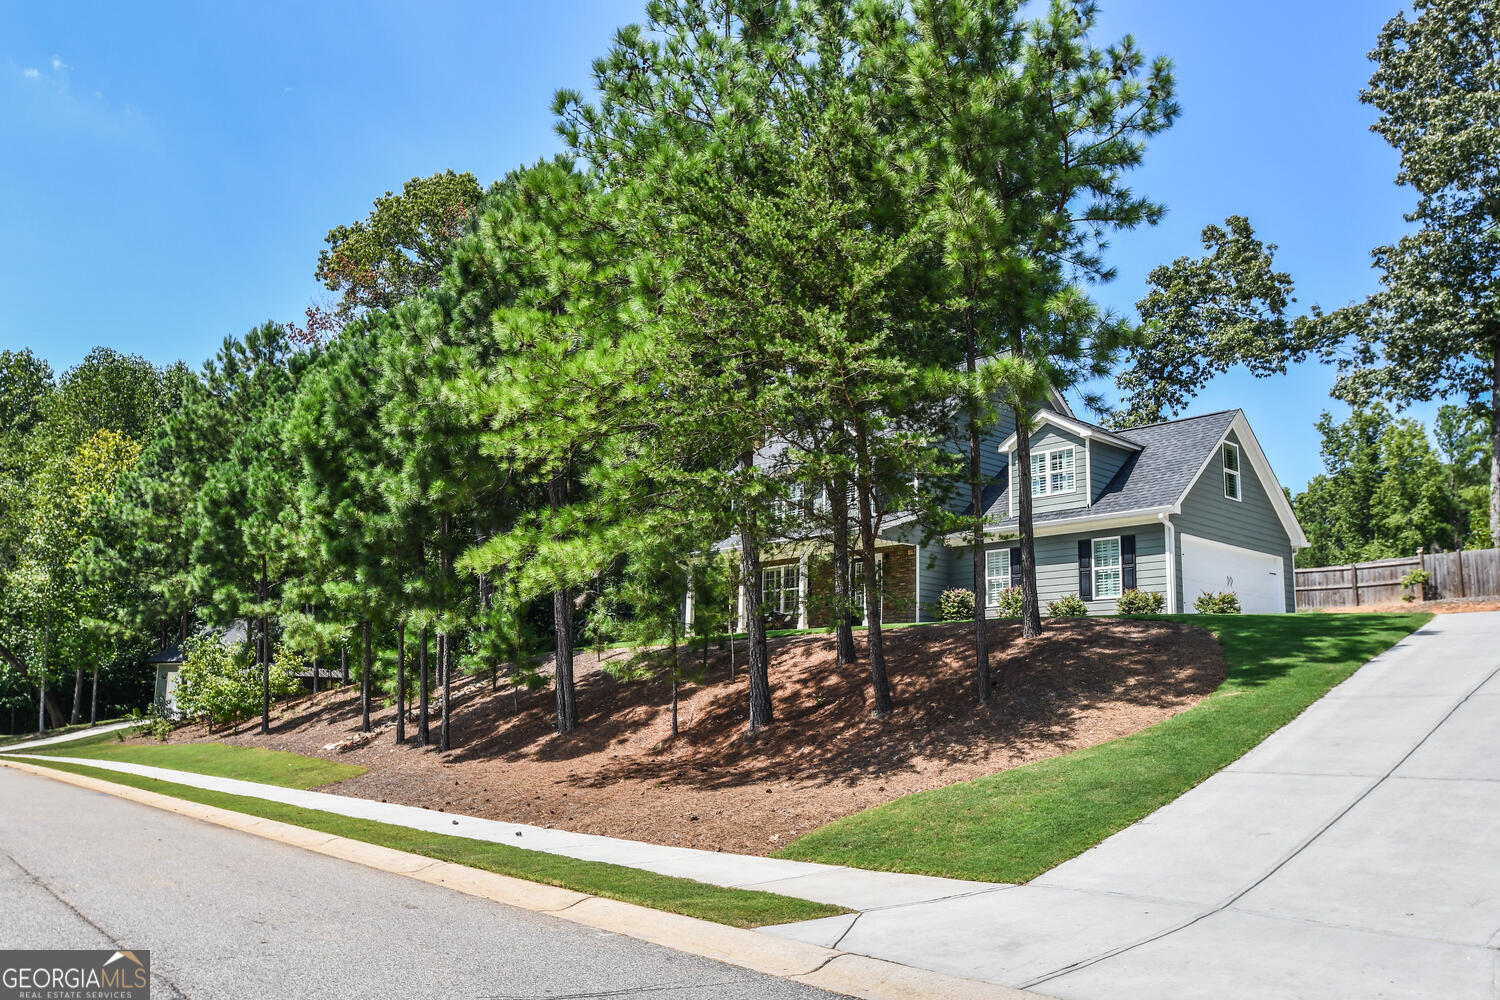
x=1231 y=470
x=1052 y=472
x=1106 y=568
x=778 y=589
x=996 y=575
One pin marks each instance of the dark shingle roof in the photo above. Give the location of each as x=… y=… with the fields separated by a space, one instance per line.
x=1156 y=476
x=237 y=633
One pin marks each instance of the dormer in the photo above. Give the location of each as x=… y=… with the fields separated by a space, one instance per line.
x=1072 y=461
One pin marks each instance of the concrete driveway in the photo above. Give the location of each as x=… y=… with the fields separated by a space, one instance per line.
x=1354 y=853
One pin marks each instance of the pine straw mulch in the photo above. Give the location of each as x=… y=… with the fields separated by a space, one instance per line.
x=1446 y=606
x=715 y=787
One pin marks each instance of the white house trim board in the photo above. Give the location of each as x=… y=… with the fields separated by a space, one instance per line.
x=1171 y=550
x=1070 y=525
x=1073 y=427
x=1240 y=427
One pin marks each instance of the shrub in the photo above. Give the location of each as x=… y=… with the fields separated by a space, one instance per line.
x=1420 y=579
x=1068 y=606
x=1010 y=604
x=1227 y=603
x=218 y=683
x=1142 y=602
x=956 y=605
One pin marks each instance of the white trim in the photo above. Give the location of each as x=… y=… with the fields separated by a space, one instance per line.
x=1068 y=525
x=1014 y=487
x=1171 y=549
x=1010 y=573
x=1073 y=427
x=1118 y=567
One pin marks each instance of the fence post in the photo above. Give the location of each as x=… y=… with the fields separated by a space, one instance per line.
x=1459 y=555
x=1354 y=581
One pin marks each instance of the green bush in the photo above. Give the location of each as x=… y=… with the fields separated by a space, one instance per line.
x=1227 y=603
x=1068 y=606
x=1010 y=604
x=956 y=605
x=220 y=684
x=1142 y=602
x=1419 y=578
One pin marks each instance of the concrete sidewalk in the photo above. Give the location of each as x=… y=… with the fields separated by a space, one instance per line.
x=849 y=887
x=76 y=734
x=1354 y=853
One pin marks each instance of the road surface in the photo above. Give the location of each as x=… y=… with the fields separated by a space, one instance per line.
x=227 y=914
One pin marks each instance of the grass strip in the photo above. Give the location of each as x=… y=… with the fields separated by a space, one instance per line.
x=269 y=767
x=1015 y=825
x=735 y=907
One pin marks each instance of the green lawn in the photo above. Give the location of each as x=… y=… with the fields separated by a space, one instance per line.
x=736 y=907
x=1012 y=826
x=270 y=767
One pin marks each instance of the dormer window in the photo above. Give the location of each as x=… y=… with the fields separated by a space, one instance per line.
x=1231 y=470
x=1052 y=472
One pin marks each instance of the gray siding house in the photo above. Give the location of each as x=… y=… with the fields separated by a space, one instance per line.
x=1181 y=507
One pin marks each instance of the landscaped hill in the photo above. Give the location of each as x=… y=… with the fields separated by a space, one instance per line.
x=715 y=787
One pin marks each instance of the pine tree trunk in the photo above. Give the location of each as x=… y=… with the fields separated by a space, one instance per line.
x=874 y=634
x=422 y=731
x=344 y=665
x=674 y=682
x=446 y=666
x=401 y=683
x=976 y=495
x=1031 y=611
x=94 y=699
x=562 y=622
x=758 y=666
x=265 y=655
x=76 y=712
x=364 y=684
x=838 y=509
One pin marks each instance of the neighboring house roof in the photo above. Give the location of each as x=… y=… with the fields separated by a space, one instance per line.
x=1168 y=459
x=235 y=634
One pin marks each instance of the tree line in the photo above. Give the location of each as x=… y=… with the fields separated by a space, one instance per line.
x=857 y=232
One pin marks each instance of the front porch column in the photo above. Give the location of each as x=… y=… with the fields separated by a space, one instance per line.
x=802 y=591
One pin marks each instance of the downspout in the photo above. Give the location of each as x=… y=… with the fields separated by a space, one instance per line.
x=1171 y=544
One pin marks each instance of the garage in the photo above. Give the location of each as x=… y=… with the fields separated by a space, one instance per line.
x=1210 y=567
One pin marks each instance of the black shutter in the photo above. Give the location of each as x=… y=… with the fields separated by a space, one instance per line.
x=1015 y=566
x=1086 y=569
x=1127 y=562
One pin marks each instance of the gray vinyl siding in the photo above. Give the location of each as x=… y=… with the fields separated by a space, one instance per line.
x=1251 y=523
x=1057 y=563
x=991 y=462
x=1104 y=461
x=1047 y=439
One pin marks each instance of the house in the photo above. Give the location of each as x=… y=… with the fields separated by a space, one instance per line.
x=1181 y=507
x=168 y=662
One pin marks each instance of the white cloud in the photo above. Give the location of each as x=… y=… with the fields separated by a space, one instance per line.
x=58 y=65
x=30 y=74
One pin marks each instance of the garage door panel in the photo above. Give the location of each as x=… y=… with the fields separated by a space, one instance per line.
x=1209 y=567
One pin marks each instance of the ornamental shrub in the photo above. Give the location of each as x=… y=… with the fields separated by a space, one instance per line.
x=1068 y=606
x=218 y=683
x=956 y=605
x=1142 y=602
x=1227 y=603
x=1010 y=604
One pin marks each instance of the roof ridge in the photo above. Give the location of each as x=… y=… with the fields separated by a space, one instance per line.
x=1180 y=420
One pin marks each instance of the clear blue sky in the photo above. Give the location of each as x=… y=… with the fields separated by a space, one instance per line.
x=169 y=171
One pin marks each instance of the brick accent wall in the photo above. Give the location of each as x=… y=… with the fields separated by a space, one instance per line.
x=900 y=584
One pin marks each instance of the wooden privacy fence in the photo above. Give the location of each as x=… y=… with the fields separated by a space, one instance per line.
x=1462 y=573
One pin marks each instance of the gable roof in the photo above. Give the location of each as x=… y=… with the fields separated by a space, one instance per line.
x=236 y=634
x=1080 y=428
x=1155 y=479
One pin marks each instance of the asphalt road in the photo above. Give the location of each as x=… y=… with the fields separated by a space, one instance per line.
x=227 y=914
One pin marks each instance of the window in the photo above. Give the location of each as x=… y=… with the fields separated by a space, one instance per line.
x=1106 y=568
x=1052 y=472
x=1231 y=470
x=778 y=589
x=996 y=575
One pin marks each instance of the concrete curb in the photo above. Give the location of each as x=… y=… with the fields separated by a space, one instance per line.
x=823 y=968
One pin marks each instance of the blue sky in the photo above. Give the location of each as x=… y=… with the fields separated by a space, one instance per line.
x=170 y=170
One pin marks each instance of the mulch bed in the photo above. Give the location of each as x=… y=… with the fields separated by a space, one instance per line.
x=716 y=787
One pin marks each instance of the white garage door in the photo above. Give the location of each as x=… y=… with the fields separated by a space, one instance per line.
x=1213 y=566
